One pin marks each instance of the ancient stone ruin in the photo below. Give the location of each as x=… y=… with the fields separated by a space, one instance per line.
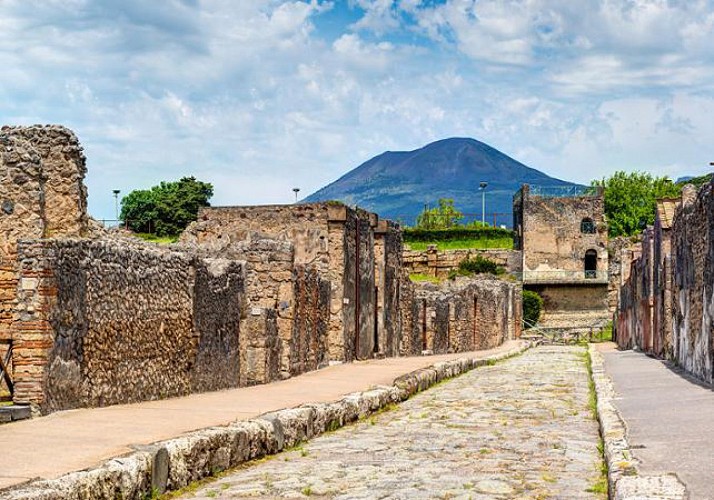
x=666 y=302
x=562 y=239
x=249 y=295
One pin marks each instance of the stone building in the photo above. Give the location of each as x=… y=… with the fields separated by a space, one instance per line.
x=357 y=253
x=562 y=237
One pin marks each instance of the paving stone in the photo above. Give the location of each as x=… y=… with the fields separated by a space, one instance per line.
x=518 y=429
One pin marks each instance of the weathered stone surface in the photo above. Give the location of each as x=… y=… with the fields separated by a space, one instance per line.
x=563 y=240
x=113 y=323
x=205 y=452
x=666 y=300
x=439 y=263
x=460 y=315
x=520 y=429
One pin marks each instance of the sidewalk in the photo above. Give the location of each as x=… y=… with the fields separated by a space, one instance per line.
x=68 y=441
x=669 y=418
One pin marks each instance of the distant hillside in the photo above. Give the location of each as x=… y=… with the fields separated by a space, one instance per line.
x=397 y=184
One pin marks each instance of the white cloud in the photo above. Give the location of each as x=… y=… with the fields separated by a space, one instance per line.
x=254 y=97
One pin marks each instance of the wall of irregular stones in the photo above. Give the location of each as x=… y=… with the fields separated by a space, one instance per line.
x=41 y=194
x=101 y=323
x=460 y=315
x=439 y=263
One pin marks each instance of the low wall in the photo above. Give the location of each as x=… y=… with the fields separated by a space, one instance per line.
x=439 y=263
x=462 y=315
x=101 y=323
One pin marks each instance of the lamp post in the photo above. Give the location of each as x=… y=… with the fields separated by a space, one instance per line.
x=482 y=186
x=116 y=204
x=296 y=191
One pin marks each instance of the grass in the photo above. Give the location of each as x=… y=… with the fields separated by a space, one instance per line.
x=418 y=277
x=478 y=243
x=162 y=240
x=600 y=485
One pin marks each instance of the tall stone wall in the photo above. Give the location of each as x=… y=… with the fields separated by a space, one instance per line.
x=693 y=284
x=666 y=303
x=41 y=194
x=439 y=263
x=101 y=323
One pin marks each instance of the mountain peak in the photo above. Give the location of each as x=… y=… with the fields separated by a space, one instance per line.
x=397 y=184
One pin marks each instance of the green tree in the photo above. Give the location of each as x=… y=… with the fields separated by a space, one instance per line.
x=630 y=200
x=532 y=307
x=165 y=209
x=442 y=217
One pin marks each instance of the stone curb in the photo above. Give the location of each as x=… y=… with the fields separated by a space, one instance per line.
x=177 y=462
x=624 y=481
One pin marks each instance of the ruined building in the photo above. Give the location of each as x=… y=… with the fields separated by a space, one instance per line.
x=665 y=303
x=562 y=237
x=90 y=317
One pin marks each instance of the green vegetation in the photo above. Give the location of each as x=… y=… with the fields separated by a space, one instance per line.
x=162 y=240
x=630 y=200
x=465 y=244
x=441 y=226
x=166 y=209
x=532 y=307
x=479 y=265
x=417 y=277
x=442 y=217
x=697 y=181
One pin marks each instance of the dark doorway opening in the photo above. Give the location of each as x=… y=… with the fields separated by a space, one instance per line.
x=590 y=264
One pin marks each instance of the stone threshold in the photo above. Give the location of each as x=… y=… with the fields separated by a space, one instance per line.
x=13 y=413
x=175 y=463
x=624 y=480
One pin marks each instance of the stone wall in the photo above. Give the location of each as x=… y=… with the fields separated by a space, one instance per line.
x=666 y=303
x=438 y=263
x=41 y=194
x=101 y=323
x=461 y=315
x=551 y=237
x=693 y=284
x=341 y=244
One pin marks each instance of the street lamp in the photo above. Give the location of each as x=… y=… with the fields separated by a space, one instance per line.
x=296 y=191
x=116 y=204
x=482 y=186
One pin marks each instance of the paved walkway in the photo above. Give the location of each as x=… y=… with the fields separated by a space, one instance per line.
x=68 y=441
x=669 y=418
x=518 y=429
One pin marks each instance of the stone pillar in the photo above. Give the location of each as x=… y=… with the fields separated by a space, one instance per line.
x=33 y=333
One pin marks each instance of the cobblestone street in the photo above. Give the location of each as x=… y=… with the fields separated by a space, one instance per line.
x=519 y=429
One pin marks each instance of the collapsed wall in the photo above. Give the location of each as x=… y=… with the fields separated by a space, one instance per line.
x=102 y=323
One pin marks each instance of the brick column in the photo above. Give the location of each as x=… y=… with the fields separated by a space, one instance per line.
x=33 y=336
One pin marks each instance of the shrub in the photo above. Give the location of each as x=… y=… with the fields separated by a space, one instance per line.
x=479 y=265
x=532 y=307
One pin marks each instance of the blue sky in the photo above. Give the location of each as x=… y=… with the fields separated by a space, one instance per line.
x=260 y=96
